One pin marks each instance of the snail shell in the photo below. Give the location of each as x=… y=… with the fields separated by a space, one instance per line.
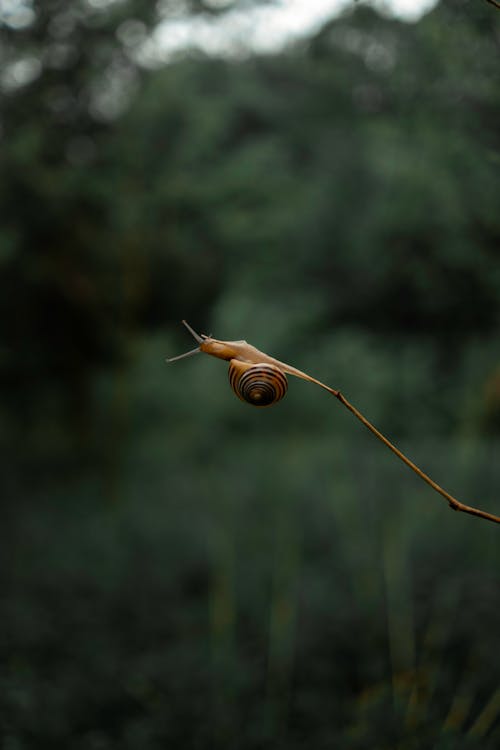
x=259 y=385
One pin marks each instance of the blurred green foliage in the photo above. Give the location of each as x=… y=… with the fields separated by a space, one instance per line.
x=178 y=568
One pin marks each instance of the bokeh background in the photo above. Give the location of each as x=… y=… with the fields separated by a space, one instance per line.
x=177 y=568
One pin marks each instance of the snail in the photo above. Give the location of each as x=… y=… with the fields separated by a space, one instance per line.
x=260 y=380
x=255 y=377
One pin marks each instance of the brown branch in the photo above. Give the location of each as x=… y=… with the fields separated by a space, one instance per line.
x=494 y=2
x=452 y=501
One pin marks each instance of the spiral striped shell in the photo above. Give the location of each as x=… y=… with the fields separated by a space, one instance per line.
x=259 y=385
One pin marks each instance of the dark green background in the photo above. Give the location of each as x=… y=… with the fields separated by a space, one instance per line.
x=177 y=568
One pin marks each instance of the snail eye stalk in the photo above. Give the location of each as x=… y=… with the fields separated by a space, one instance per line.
x=195 y=335
x=183 y=356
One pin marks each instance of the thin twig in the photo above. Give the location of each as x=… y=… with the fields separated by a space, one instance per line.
x=494 y=2
x=452 y=501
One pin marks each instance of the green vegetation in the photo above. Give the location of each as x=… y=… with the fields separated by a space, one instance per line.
x=177 y=568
